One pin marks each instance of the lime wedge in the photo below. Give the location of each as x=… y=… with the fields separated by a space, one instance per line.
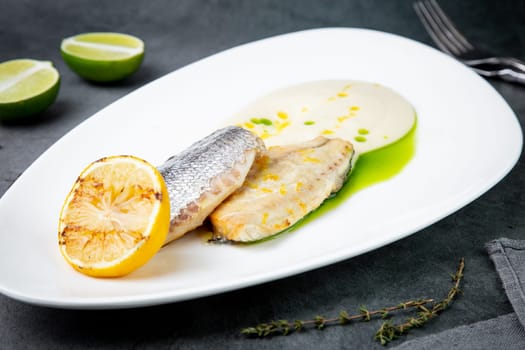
x=27 y=87
x=103 y=57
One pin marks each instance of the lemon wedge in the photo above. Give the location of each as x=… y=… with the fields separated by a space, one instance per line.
x=115 y=218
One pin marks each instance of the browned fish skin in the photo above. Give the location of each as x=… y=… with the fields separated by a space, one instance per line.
x=284 y=185
x=201 y=177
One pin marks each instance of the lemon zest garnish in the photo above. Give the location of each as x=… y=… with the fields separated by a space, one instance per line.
x=252 y=185
x=302 y=205
x=311 y=160
x=264 y=135
x=282 y=115
x=264 y=218
x=281 y=126
x=272 y=177
x=249 y=125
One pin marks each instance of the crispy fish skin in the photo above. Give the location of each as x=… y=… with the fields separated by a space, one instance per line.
x=202 y=176
x=284 y=185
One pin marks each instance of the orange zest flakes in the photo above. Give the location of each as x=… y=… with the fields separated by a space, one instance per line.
x=248 y=125
x=252 y=185
x=311 y=160
x=280 y=126
x=306 y=151
x=342 y=94
x=271 y=177
x=281 y=226
x=264 y=218
x=303 y=207
x=264 y=135
x=282 y=115
x=354 y=108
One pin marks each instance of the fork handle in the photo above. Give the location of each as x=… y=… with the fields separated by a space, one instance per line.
x=509 y=62
x=515 y=63
x=506 y=74
x=512 y=76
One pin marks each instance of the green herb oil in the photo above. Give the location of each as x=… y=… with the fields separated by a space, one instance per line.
x=374 y=167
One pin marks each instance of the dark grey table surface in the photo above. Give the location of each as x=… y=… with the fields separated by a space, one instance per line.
x=180 y=32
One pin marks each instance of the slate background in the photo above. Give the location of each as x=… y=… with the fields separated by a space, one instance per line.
x=180 y=32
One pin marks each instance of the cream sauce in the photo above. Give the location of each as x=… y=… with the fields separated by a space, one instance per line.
x=368 y=115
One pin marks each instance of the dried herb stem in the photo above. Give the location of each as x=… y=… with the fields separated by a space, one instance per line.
x=285 y=327
x=389 y=331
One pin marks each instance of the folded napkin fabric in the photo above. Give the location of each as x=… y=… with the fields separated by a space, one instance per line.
x=509 y=258
x=503 y=332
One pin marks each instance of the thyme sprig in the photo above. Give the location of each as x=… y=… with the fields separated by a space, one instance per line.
x=387 y=332
x=285 y=327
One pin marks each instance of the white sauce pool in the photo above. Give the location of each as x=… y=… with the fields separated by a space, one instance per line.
x=368 y=115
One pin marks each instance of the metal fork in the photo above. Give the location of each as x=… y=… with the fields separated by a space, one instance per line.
x=450 y=40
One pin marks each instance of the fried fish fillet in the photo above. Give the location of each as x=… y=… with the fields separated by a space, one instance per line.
x=201 y=177
x=283 y=185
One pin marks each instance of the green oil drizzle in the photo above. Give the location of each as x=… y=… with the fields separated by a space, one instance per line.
x=264 y=121
x=374 y=167
x=371 y=168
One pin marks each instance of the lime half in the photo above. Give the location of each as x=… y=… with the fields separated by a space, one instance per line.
x=27 y=87
x=103 y=57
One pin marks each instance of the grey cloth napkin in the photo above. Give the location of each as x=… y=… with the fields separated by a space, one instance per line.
x=503 y=332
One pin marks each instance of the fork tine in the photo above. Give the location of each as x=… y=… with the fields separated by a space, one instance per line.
x=432 y=28
x=450 y=26
x=438 y=26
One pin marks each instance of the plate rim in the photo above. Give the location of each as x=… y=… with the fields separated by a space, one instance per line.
x=157 y=298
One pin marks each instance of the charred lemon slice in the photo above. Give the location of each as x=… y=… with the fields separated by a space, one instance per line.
x=115 y=218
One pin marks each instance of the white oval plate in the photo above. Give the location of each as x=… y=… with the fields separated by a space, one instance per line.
x=468 y=139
